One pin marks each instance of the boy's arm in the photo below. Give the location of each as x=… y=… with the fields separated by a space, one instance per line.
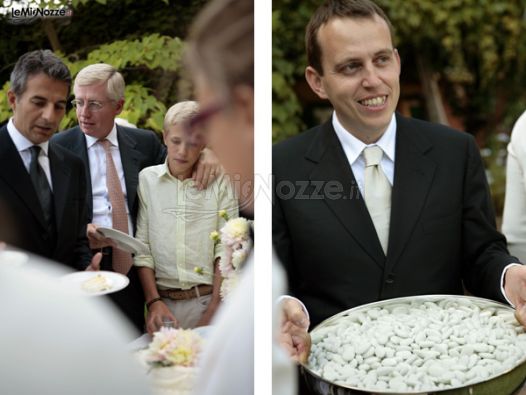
x=216 y=297
x=157 y=310
x=146 y=266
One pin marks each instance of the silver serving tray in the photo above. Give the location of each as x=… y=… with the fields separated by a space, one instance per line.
x=504 y=383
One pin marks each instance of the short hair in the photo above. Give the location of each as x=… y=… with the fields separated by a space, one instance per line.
x=179 y=113
x=36 y=62
x=337 y=9
x=101 y=72
x=221 y=44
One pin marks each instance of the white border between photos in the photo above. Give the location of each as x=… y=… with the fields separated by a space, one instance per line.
x=263 y=206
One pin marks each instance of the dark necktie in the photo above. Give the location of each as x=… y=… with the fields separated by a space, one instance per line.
x=39 y=179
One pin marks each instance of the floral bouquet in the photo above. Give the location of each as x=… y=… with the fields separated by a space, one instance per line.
x=174 y=347
x=237 y=244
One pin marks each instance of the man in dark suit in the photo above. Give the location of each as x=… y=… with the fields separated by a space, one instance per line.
x=41 y=184
x=343 y=243
x=99 y=98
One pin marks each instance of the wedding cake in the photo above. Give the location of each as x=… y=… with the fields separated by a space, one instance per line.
x=171 y=360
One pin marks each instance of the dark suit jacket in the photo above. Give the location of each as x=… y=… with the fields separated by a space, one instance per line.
x=139 y=148
x=69 y=192
x=442 y=229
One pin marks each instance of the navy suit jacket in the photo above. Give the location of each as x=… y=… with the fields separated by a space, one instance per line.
x=139 y=148
x=18 y=195
x=442 y=228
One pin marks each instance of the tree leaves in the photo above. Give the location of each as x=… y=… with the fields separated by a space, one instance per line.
x=108 y=31
x=477 y=46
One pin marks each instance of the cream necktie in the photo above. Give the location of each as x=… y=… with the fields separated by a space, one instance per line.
x=377 y=193
x=122 y=261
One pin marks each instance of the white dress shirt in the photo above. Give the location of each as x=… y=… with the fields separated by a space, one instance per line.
x=514 y=215
x=353 y=149
x=102 y=211
x=23 y=146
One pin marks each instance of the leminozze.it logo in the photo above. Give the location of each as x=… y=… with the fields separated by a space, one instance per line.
x=29 y=14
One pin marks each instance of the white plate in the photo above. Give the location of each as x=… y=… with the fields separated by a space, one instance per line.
x=123 y=241
x=75 y=280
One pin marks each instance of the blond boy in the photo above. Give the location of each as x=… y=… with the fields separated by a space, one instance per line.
x=180 y=275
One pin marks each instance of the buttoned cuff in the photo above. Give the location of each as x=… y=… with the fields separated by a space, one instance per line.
x=502 y=282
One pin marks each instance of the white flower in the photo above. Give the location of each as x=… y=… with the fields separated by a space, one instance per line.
x=174 y=347
x=225 y=262
x=236 y=242
x=239 y=256
x=236 y=229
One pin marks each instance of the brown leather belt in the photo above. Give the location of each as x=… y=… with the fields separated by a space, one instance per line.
x=184 y=294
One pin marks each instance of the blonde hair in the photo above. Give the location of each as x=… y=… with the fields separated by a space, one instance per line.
x=221 y=44
x=180 y=112
x=102 y=72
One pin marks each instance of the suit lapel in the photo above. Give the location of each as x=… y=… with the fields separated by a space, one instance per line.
x=350 y=210
x=81 y=150
x=60 y=175
x=16 y=176
x=130 y=159
x=412 y=179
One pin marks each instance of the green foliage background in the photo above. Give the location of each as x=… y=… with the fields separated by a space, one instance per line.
x=143 y=39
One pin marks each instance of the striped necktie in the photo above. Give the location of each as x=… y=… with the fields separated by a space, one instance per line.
x=122 y=261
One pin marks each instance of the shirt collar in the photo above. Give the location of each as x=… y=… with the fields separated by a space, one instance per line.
x=21 y=142
x=90 y=140
x=165 y=172
x=353 y=147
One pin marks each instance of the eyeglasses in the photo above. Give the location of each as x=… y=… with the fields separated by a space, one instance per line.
x=93 y=105
x=196 y=126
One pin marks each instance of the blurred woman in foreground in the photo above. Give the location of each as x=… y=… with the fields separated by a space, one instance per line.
x=221 y=58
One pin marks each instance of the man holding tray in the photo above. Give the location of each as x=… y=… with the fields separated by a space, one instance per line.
x=372 y=205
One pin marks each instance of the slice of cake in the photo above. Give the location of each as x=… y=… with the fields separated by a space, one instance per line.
x=98 y=283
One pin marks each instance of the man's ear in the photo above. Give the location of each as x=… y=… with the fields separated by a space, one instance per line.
x=315 y=82
x=119 y=107
x=398 y=61
x=11 y=98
